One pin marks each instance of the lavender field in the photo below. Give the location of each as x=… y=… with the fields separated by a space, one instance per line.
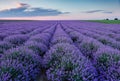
x=59 y=51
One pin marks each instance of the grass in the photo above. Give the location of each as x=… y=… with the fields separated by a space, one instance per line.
x=100 y=21
x=13 y=20
x=107 y=21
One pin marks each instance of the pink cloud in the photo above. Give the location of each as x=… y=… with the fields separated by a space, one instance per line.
x=21 y=5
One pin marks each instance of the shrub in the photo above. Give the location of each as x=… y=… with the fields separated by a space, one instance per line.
x=38 y=48
x=61 y=39
x=12 y=70
x=16 y=39
x=107 y=62
x=88 y=47
x=27 y=58
x=2 y=36
x=5 y=46
x=40 y=38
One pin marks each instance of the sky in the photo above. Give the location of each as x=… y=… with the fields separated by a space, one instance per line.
x=59 y=9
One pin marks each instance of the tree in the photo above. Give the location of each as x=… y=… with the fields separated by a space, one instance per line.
x=107 y=19
x=116 y=19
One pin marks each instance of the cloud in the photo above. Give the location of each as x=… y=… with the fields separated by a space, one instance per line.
x=108 y=12
x=25 y=10
x=22 y=5
x=95 y=11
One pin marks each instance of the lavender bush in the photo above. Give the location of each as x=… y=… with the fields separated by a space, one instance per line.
x=40 y=39
x=16 y=39
x=38 y=48
x=30 y=62
x=107 y=62
x=5 y=46
x=65 y=63
x=2 y=36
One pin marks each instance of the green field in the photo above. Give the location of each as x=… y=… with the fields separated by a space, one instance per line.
x=107 y=21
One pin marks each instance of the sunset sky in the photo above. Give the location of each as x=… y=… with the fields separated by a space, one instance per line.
x=59 y=9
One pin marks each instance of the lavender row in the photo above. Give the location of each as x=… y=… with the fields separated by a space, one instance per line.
x=104 y=58
x=102 y=32
x=103 y=39
x=64 y=62
x=40 y=42
x=114 y=28
x=20 y=28
x=13 y=41
x=24 y=63
x=19 y=64
x=102 y=29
